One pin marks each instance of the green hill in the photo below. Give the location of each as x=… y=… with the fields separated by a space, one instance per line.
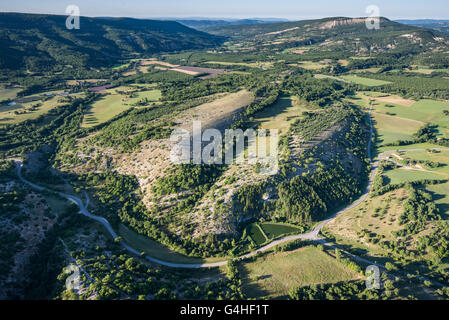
x=338 y=34
x=39 y=42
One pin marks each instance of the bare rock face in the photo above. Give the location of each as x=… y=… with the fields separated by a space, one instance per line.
x=341 y=22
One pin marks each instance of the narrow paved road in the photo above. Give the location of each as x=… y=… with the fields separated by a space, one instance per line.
x=312 y=235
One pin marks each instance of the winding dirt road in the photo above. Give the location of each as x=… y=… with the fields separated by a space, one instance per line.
x=311 y=236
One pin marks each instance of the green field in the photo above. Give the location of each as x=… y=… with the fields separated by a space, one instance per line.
x=325 y=76
x=424 y=110
x=157 y=250
x=440 y=194
x=9 y=93
x=305 y=48
x=112 y=104
x=364 y=81
x=8 y=113
x=262 y=65
x=427 y=70
x=410 y=146
x=272 y=276
x=441 y=157
x=280 y=115
x=397 y=118
x=310 y=65
x=354 y=79
x=402 y=175
x=262 y=233
x=390 y=129
x=273 y=230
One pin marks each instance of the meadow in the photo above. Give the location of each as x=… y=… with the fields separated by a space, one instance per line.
x=397 y=118
x=272 y=276
x=378 y=217
x=310 y=65
x=258 y=64
x=8 y=93
x=390 y=128
x=25 y=111
x=157 y=250
x=440 y=192
x=427 y=70
x=281 y=114
x=354 y=79
x=441 y=157
x=426 y=110
x=274 y=230
x=114 y=102
x=257 y=234
x=262 y=233
x=374 y=216
x=406 y=175
x=364 y=81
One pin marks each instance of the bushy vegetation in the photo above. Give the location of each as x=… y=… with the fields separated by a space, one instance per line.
x=419 y=209
x=314 y=123
x=354 y=290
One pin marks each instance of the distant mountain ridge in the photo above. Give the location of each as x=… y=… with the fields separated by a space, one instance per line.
x=314 y=24
x=439 y=25
x=206 y=23
x=39 y=41
x=337 y=35
x=421 y=21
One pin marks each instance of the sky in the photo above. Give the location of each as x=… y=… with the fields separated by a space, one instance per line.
x=288 y=9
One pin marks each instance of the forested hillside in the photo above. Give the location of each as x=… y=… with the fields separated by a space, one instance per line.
x=42 y=42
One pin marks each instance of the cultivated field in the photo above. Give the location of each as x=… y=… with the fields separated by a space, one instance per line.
x=427 y=70
x=406 y=175
x=204 y=73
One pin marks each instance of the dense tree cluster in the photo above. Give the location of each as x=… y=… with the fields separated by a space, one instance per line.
x=307 y=199
x=319 y=92
x=412 y=86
